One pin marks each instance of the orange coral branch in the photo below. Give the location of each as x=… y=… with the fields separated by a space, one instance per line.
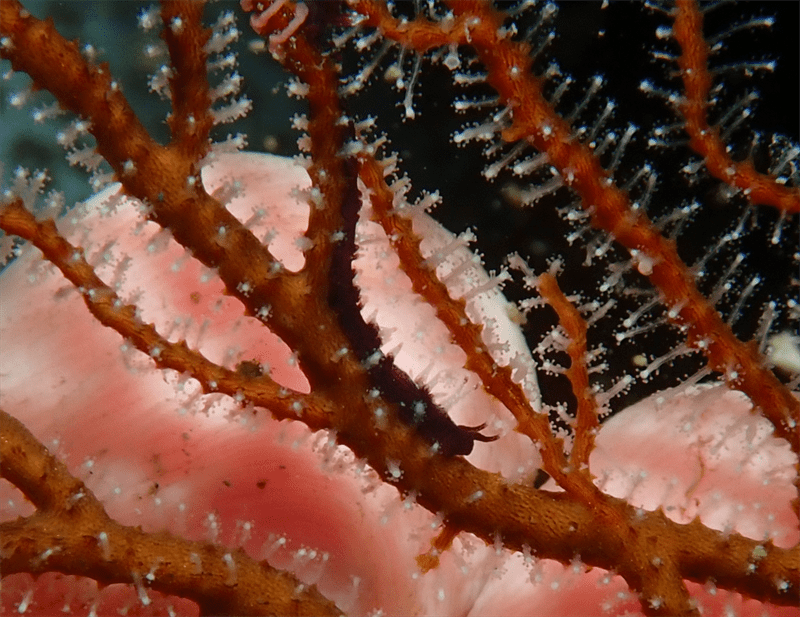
x=587 y=423
x=550 y=523
x=536 y=121
x=87 y=90
x=496 y=379
x=646 y=548
x=420 y=34
x=110 y=311
x=191 y=121
x=758 y=188
x=466 y=334
x=71 y=521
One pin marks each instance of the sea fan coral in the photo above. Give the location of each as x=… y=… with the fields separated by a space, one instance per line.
x=279 y=386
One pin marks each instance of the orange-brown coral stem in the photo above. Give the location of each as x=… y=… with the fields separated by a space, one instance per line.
x=758 y=188
x=110 y=311
x=535 y=121
x=575 y=326
x=186 y=38
x=71 y=522
x=57 y=65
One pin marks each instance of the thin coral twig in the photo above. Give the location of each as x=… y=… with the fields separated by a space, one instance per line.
x=496 y=380
x=110 y=311
x=758 y=188
x=191 y=120
x=587 y=422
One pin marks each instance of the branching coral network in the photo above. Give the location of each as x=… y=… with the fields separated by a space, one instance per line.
x=387 y=419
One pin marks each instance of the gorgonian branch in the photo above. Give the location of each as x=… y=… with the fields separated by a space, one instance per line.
x=758 y=188
x=70 y=521
x=110 y=311
x=535 y=121
x=191 y=119
x=587 y=423
x=317 y=312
